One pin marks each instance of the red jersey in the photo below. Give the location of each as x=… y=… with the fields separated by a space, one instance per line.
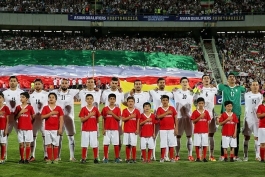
x=167 y=122
x=24 y=120
x=5 y=112
x=110 y=123
x=147 y=130
x=130 y=126
x=91 y=124
x=202 y=125
x=229 y=127
x=53 y=122
x=261 y=110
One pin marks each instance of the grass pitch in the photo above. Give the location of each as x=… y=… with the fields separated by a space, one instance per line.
x=181 y=168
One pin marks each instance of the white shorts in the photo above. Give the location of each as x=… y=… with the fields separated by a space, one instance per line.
x=147 y=142
x=200 y=139
x=167 y=138
x=41 y=129
x=89 y=138
x=52 y=137
x=249 y=128
x=228 y=141
x=25 y=136
x=111 y=136
x=130 y=139
x=261 y=135
x=2 y=137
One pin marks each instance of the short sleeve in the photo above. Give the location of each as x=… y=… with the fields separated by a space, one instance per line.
x=208 y=116
x=44 y=112
x=118 y=112
x=174 y=112
x=98 y=114
x=220 y=87
x=259 y=111
x=193 y=115
x=158 y=111
x=82 y=114
x=103 y=113
x=31 y=110
x=7 y=111
x=60 y=112
x=235 y=119
x=17 y=110
x=221 y=118
x=138 y=114
x=124 y=113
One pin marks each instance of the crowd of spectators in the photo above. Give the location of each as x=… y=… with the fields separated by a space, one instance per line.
x=175 y=46
x=245 y=56
x=134 y=7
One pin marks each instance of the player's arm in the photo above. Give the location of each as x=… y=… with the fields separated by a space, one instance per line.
x=45 y=116
x=124 y=119
x=143 y=122
x=20 y=113
x=61 y=125
x=176 y=125
x=161 y=116
x=6 y=129
x=85 y=118
x=221 y=122
x=138 y=126
x=103 y=127
x=198 y=118
x=234 y=135
x=115 y=116
x=261 y=115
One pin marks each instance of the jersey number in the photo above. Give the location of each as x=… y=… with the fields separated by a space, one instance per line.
x=13 y=99
x=232 y=94
x=206 y=94
x=63 y=97
x=184 y=96
x=37 y=101
x=254 y=101
x=138 y=100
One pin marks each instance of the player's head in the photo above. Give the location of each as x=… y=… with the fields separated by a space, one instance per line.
x=2 y=97
x=89 y=99
x=200 y=102
x=147 y=107
x=231 y=78
x=114 y=83
x=52 y=97
x=228 y=106
x=206 y=79
x=138 y=85
x=38 y=85
x=24 y=96
x=130 y=101
x=13 y=81
x=184 y=82
x=90 y=83
x=64 y=84
x=112 y=99
x=161 y=83
x=254 y=86
x=164 y=100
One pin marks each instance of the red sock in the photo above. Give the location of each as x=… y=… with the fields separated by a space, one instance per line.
x=197 y=149
x=116 y=150
x=84 y=151
x=163 y=151
x=144 y=154
x=171 y=152
x=95 y=151
x=21 y=150
x=204 y=151
x=27 y=152
x=150 y=152
x=225 y=155
x=49 y=152
x=3 y=150
x=106 y=151
x=134 y=152
x=262 y=152
x=231 y=155
x=55 y=152
x=127 y=151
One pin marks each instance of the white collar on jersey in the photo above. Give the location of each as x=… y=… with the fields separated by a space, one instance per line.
x=90 y=109
x=130 y=111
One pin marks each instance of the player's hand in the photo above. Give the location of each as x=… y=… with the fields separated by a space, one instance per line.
x=234 y=136
x=154 y=135
x=103 y=132
x=149 y=120
x=54 y=112
x=96 y=89
x=174 y=89
x=60 y=131
x=132 y=92
x=110 y=112
x=156 y=89
x=137 y=132
x=91 y=114
x=132 y=115
x=120 y=90
x=202 y=115
x=169 y=112
x=229 y=118
x=5 y=133
x=23 y=111
x=175 y=131
x=2 y=113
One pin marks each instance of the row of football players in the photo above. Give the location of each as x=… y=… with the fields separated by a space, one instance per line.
x=183 y=99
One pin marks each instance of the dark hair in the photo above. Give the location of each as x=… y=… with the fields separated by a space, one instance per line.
x=228 y=102
x=114 y=79
x=137 y=81
x=13 y=77
x=38 y=80
x=205 y=75
x=52 y=93
x=130 y=98
x=200 y=99
x=146 y=103
x=64 y=79
x=87 y=95
x=264 y=94
x=160 y=79
x=112 y=95
x=2 y=95
x=164 y=96
x=181 y=79
x=26 y=94
x=231 y=74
